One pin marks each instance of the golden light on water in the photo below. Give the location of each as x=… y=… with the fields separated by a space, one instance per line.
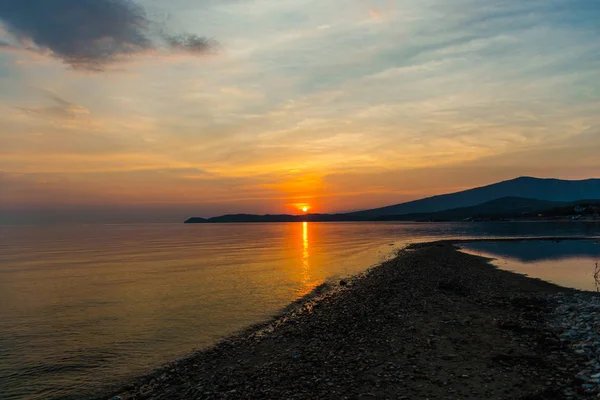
x=305 y=253
x=307 y=280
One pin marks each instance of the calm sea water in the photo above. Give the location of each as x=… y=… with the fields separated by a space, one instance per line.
x=569 y=263
x=85 y=308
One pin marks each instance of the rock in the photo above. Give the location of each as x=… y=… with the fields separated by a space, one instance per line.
x=575 y=321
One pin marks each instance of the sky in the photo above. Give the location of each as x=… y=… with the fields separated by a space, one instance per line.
x=154 y=110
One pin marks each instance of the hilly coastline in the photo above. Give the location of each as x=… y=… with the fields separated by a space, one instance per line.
x=519 y=198
x=526 y=187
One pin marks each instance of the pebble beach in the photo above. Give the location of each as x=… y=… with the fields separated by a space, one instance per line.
x=431 y=323
x=576 y=320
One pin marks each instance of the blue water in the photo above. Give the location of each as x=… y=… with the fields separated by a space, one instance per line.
x=569 y=263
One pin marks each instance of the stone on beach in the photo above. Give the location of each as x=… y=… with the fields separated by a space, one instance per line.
x=431 y=323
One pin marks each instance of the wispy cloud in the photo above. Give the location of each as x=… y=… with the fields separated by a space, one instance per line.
x=89 y=34
x=62 y=109
x=394 y=99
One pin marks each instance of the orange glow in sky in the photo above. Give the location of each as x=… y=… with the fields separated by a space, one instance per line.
x=300 y=207
x=166 y=130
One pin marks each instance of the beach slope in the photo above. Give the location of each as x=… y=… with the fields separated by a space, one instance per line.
x=431 y=323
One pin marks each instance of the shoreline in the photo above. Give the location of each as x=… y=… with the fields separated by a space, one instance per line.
x=401 y=328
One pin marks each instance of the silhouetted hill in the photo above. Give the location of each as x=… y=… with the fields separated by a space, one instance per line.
x=506 y=206
x=245 y=218
x=588 y=207
x=195 y=220
x=520 y=197
x=527 y=187
x=233 y=218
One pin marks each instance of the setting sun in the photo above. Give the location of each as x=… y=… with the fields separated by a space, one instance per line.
x=304 y=209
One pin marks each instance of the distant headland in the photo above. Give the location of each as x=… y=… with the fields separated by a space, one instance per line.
x=516 y=199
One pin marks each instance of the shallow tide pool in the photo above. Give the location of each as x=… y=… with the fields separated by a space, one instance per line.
x=569 y=263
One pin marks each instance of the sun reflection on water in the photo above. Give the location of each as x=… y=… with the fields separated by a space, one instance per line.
x=305 y=255
x=307 y=283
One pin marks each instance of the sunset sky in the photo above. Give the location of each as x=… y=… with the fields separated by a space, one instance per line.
x=159 y=110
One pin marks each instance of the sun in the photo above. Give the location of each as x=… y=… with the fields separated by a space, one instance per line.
x=300 y=207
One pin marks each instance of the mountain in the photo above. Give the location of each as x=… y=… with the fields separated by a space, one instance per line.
x=244 y=218
x=275 y=218
x=511 y=199
x=527 y=187
x=503 y=207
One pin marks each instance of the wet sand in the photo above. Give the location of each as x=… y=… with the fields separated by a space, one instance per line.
x=431 y=323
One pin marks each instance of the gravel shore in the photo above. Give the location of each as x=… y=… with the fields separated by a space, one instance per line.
x=576 y=320
x=432 y=323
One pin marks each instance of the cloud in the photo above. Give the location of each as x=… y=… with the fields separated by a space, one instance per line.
x=430 y=97
x=62 y=109
x=90 y=34
x=190 y=42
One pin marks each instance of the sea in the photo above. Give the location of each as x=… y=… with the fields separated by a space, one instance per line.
x=86 y=308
